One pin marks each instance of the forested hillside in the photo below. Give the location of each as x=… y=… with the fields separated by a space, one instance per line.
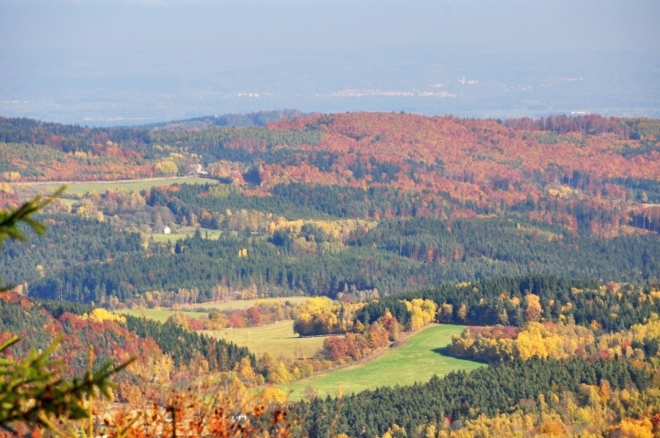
x=161 y=349
x=584 y=172
x=85 y=261
x=460 y=397
x=541 y=237
x=485 y=164
x=328 y=204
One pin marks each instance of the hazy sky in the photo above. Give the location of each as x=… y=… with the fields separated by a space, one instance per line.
x=119 y=60
x=198 y=25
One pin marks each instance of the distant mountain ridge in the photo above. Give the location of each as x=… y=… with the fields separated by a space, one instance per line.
x=259 y=118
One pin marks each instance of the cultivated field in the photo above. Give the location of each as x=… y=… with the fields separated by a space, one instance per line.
x=416 y=361
x=275 y=339
x=74 y=188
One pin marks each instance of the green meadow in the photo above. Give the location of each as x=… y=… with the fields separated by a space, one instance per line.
x=182 y=233
x=416 y=361
x=245 y=304
x=276 y=339
x=160 y=315
x=76 y=188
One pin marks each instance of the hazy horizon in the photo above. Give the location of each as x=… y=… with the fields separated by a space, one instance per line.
x=114 y=61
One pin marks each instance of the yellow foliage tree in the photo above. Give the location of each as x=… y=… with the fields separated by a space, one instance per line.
x=100 y=315
x=462 y=312
x=316 y=304
x=280 y=374
x=395 y=431
x=533 y=310
x=179 y=319
x=530 y=343
x=630 y=428
x=245 y=371
x=272 y=395
x=445 y=313
x=167 y=167
x=11 y=176
x=421 y=311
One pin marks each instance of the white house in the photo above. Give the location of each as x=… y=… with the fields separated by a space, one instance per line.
x=162 y=229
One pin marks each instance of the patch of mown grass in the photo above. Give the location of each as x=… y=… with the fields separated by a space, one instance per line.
x=160 y=315
x=417 y=360
x=184 y=232
x=276 y=339
x=76 y=188
x=245 y=304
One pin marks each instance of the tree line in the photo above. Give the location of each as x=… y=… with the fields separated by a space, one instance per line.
x=518 y=300
x=459 y=395
x=185 y=347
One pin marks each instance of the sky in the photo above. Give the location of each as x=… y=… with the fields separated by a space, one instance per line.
x=64 y=59
x=520 y=25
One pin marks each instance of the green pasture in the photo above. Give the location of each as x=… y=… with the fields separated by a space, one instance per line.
x=182 y=233
x=160 y=315
x=279 y=331
x=416 y=361
x=276 y=339
x=245 y=304
x=75 y=188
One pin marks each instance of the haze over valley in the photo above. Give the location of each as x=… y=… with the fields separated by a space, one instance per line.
x=135 y=62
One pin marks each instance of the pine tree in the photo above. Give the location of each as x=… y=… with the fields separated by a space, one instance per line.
x=32 y=392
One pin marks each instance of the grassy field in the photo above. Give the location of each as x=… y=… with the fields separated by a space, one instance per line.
x=416 y=361
x=160 y=315
x=244 y=304
x=101 y=187
x=182 y=233
x=275 y=339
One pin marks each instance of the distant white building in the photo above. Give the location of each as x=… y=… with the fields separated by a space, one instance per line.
x=164 y=229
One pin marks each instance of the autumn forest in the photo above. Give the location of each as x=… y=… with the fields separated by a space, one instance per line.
x=175 y=246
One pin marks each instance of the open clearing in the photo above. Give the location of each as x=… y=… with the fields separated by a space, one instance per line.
x=416 y=361
x=160 y=315
x=245 y=304
x=276 y=339
x=74 y=188
x=184 y=232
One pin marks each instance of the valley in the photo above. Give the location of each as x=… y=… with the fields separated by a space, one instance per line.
x=416 y=361
x=405 y=273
